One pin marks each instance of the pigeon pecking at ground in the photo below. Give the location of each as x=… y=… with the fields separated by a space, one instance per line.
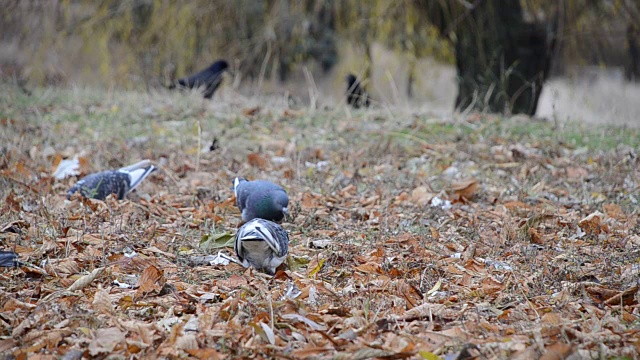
x=209 y=78
x=356 y=95
x=262 y=244
x=119 y=182
x=260 y=199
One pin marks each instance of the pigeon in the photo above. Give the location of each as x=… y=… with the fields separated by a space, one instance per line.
x=209 y=78
x=120 y=182
x=9 y=259
x=262 y=244
x=356 y=95
x=260 y=199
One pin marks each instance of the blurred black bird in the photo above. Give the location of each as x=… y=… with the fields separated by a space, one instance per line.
x=209 y=79
x=356 y=95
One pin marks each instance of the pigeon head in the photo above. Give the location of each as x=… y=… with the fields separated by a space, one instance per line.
x=260 y=199
x=273 y=205
x=219 y=66
x=281 y=201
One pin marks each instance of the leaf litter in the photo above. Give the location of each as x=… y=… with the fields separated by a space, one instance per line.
x=455 y=247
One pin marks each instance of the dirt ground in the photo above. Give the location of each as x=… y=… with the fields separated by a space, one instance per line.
x=412 y=235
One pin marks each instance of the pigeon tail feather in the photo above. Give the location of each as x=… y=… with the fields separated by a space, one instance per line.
x=138 y=175
x=236 y=182
x=262 y=244
x=139 y=165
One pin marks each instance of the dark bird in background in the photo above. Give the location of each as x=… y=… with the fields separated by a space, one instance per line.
x=10 y=259
x=209 y=79
x=356 y=95
x=260 y=199
x=120 y=182
x=262 y=244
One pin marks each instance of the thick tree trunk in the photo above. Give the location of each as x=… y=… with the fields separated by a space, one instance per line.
x=502 y=60
x=633 y=43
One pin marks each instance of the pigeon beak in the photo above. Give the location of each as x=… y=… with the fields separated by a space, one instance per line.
x=285 y=211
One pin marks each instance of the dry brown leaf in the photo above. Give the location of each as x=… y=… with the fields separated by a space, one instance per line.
x=251 y=111
x=551 y=318
x=627 y=297
x=465 y=189
x=557 y=351
x=614 y=211
x=233 y=282
x=309 y=201
x=593 y=224
x=257 y=160
x=84 y=281
x=204 y=354
x=106 y=341
x=410 y=293
x=575 y=172
x=151 y=282
x=310 y=351
x=534 y=236
x=427 y=310
x=6 y=345
x=600 y=294
x=102 y=302
x=187 y=342
x=434 y=233
x=370 y=268
x=421 y=196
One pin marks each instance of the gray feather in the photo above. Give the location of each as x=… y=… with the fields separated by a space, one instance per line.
x=260 y=199
x=9 y=259
x=120 y=182
x=262 y=244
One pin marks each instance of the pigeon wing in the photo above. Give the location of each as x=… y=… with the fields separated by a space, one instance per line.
x=102 y=184
x=8 y=259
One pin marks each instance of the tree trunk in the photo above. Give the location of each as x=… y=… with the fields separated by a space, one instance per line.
x=633 y=43
x=502 y=61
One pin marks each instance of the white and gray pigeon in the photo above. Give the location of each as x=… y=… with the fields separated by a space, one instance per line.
x=260 y=199
x=262 y=244
x=120 y=182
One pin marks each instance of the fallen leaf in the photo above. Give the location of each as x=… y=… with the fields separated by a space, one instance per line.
x=258 y=161
x=557 y=351
x=421 y=196
x=106 y=341
x=465 y=189
x=151 y=281
x=593 y=224
x=251 y=111
x=216 y=241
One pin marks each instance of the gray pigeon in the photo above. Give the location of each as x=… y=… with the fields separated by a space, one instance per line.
x=119 y=182
x=9 y=259
x=262 y=244
x=260 y=199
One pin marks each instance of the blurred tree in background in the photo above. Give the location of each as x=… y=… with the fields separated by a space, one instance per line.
x=502 y=60
x=503 y=49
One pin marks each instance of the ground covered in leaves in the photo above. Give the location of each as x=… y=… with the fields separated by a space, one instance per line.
x=411 y=237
